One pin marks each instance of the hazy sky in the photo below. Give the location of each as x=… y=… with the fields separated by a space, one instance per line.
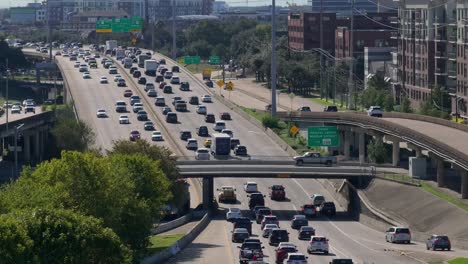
x=8 y=3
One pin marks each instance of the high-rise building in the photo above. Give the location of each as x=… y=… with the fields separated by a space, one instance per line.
x=343 y=7
x=162 y=9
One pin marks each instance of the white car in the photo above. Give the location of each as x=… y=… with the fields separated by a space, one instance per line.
x=318 y=244
x=202 y=154
x=267 y=229
x=156 y=136
x=192 y=143
x=86 y=75
x=152 y=93
x=28 y=102
x=233 y=213
x=250 y=187
x=375 y=110
x=219 y=126
x=206 y=98
x=16 y=109
x=228 y=131
x=123 y=119
x=101 y=113
x=175 y=80
x=295 y=258
x=103 y=79
x=77 y=64
x=317 y=199
x=397 y=234
x=168 y=75
x=201 y=109
x=137 y=107
x=117 y=77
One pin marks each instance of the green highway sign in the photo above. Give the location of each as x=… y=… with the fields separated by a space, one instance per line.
x=323 y=136
x=192 y=59
x=214 y=60
x=116 y=25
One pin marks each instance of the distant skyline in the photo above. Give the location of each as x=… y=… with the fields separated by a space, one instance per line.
x=15 y=3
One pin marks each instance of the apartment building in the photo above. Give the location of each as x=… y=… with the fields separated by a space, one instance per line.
x=343 y=7
x=162 y=9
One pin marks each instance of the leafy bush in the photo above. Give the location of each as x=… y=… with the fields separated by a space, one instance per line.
x=269 y=121
x=377 y=152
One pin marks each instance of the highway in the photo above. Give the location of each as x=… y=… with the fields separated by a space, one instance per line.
x=14 y=117
x=347 y=238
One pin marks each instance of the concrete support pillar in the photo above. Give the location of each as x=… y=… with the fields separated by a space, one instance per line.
x=37 y=147
x=440 y=173
x=464 y=184
x=207 y=192
x=347 y=139
x=418 y=152
x=396 y=153
x=27 y=147
x=362 y=147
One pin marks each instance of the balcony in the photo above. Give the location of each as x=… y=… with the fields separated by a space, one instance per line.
x=440 y=71
x=394 y=35
x=452 y=55
x=452 y=37
x=440 y=38
x=452 y=73
x=440 y=55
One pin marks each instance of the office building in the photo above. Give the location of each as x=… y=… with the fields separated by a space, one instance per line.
x=343 y=7
x=162 y=9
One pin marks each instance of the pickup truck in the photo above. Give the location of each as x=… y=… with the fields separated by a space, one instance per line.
x=314 y=158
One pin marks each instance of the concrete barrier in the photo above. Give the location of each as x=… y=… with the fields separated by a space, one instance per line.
x=161 y=228
x=429 y=119
x=179 y=245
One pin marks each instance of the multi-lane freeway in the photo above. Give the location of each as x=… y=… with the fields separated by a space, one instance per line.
x=347 y=238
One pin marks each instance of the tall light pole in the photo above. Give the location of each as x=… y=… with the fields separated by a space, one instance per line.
x=17 y=128
x=273 y=58
x=351 y=60
x=174 y=52
x=6 y=87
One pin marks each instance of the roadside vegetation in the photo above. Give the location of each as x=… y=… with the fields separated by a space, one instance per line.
x=452 y=261
x=160 y=242
x=453 y=200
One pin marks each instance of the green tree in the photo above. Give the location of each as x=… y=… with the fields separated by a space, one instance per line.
x=58 y=236
x=16 y=58
x=406 y=105
x=269 y=121
x=377 y=152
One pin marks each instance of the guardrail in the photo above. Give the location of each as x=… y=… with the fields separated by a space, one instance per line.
x=406 y=134
x=163 y=227
x=66 y=87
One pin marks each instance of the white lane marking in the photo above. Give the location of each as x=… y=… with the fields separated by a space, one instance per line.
x=255 y=132
x=336 y=250
x=295 y=208
x=300 y=186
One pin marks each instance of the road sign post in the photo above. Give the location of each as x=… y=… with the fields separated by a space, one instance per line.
x=323 y=136
x=118 y=25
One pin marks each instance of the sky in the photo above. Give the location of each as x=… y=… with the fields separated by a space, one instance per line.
x=14 y=3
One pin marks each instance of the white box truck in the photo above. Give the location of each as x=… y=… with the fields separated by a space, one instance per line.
x=110 y=46
x=128 y=62
x=120 y=54
x=151 y=67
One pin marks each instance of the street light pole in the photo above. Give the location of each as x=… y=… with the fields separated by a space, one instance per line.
x=273 y=58
x=174 y=53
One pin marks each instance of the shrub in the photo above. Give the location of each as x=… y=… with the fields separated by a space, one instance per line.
x=269 y=121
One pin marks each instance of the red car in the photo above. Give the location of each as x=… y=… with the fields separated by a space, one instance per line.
x=282 y=252
x=162 y=84
x=128 y=93
x=134 y=135
x=225 y=116
x=277 y=192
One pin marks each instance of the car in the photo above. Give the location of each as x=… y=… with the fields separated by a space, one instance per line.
x=162 y=61
x=206 y=98
x=149 y=86
x=159 y=78
x=175 y=69
x=152 y=93
x=242 y=222
x=278 y=235
x=76 y=64
x=397 y=234
x=175 y=80
x=162 y=85
x=29 y=109
x=28 y=102
x=166 y=110
x=167 y=89
x=227 y=194
x=156 y=136
x=305 y=232
x=184 y=86
x=304 y=109
x=202 y=154
x=260 y=213
x=209 y=83
x=328 y=209
x=210 y=118
x=127 y=93
x=228 y=132
x=267 y=229
x=277 y=192
x=240 y=150
x=438 y=241
x=250 y=187
x=330 y=108
x=317 y=199
x=142 y=80
x=123 y=119
x=299 y=221
x=234 y=143
x=117 y=77
x=269 y=219
x=219 y=126
x=283 y=251
x=142 y=115
x=134 y=99
x=168 y=75
x=295 y=258
x=133 y=69
x=341 y=261
x=93 y=65
x=121 y=83
x=232 y=213
x=251 y=252
x=120 y=106
x=202 y=131
x=86 y=76
x=136 y=74
x=256 y=199
x=207 y=143
x=134 y=135
x=185 y=135
x=175 y=99
x=171 y=118
x=148 y=125
x=225 y=116
x=201 y=109
x=101 y=113
x=160 y=101
x=192 y=144
x=239 y=234
x=83 y=68
x=314 y=158
x=180 y=105
x=318 y=244
x=375 y=111
x=137 y=107
x=258 y=207
x=113 y=71
x=308 y=210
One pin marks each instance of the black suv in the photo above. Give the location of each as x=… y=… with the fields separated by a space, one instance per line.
x=133 y=69
x=256 y=199
x=142 y=80
x=330 y=108
x=328 y=208
x=341 y=261
x=194 y=100
x=277 y=236
x=159 y=78
x=242 y=222
x=184 y=135
x=210 y=118
x=260 y=213
x=202 y=131
x=175 y=69
x=136 y=74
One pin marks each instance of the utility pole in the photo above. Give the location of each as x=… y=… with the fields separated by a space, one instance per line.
x=273 y=58
x=6 y=87
x=153 y=27
x=49 y=33
x=174 y=53
x=321 y=48
x=351 y=59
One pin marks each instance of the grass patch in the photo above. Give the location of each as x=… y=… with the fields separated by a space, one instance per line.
x=401 y=178
x=253 y=113
x=458 y=261
x=201 y=67
x=158 y=243
x=328 y=103
x=453 y=200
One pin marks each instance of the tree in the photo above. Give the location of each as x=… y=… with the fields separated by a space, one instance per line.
x=16 y=58
x=406 y=105
x=58 y=236
x=377 y=152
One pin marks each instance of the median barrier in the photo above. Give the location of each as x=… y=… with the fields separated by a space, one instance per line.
x=161 y=228
x=180 y=244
